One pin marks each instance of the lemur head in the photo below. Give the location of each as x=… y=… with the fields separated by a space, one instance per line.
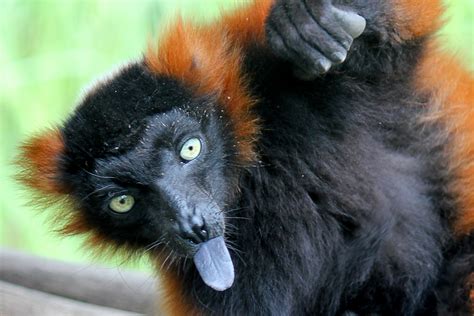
x=151 y=158
x=144 y=164
x=149 y=163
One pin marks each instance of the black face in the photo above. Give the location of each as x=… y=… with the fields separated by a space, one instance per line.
x=150 y=165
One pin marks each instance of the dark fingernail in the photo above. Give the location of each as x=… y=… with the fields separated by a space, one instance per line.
x=339 y=57
x=325 y=65
x=347 y=44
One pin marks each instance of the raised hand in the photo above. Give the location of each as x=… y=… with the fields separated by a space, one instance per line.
x=313 y=35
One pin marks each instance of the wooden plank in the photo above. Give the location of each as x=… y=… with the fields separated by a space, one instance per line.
x=19 y=301
x=111 y=287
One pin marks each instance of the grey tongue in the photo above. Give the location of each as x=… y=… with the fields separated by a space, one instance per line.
x=214 y=264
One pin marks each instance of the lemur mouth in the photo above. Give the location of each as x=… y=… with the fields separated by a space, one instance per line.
x=211 y=259
x=214 y=264
x=199 y=232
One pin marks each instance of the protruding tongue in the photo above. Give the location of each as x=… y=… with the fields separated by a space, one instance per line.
x=214 y=264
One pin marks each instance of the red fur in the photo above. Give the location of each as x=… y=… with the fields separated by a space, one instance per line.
x=416 y=18
x=172 y=301
x=39 y=170
x=39 y=163
x=452 y=88
x=208 y=59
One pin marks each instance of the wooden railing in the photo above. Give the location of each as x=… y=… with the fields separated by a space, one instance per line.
x=31 y=285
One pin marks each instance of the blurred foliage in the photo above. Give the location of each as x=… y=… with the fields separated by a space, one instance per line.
x=49 y=49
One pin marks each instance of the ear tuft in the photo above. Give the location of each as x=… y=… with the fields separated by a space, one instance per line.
x=39 y=170
x=39 y=163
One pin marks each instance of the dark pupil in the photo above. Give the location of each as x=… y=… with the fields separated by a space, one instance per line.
x=122 y=201
x=190 y=148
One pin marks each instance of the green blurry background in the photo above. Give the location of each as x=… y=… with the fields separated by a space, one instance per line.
x=51 y=49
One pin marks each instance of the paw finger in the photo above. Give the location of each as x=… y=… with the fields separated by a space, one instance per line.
x=351 y=22
x=314 y=34
x=324 y=16
x=299 y=52
x=276 y=42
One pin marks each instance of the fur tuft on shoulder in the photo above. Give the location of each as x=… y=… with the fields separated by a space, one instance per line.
x=452 y=88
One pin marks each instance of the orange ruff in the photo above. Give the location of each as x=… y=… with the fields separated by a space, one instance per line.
x=452 y=90
x=173 y=301
x=416 y=18
x=39 y=162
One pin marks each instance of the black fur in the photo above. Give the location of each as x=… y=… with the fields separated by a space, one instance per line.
x=124 y=139
x=345 y=213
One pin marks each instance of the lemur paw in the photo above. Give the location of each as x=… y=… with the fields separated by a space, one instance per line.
x=312 y=34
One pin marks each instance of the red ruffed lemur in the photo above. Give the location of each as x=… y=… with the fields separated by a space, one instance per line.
x=309 y=157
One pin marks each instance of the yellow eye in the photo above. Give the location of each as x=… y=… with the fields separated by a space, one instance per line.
x=191 y=149
x=122 y=203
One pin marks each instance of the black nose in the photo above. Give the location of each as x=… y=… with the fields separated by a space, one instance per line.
x=194 y=230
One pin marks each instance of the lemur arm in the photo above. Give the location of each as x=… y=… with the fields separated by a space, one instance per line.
x=368 y=38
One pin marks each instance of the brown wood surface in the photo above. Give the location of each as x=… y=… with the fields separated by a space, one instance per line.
x=19 y=301
x=33 y=285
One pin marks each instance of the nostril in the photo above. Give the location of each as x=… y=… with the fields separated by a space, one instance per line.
x=194 y=229
x=201 y=232
x=196 y=234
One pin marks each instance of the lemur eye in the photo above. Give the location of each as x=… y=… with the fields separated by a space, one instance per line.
x=191 y=149
x=122 y=203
